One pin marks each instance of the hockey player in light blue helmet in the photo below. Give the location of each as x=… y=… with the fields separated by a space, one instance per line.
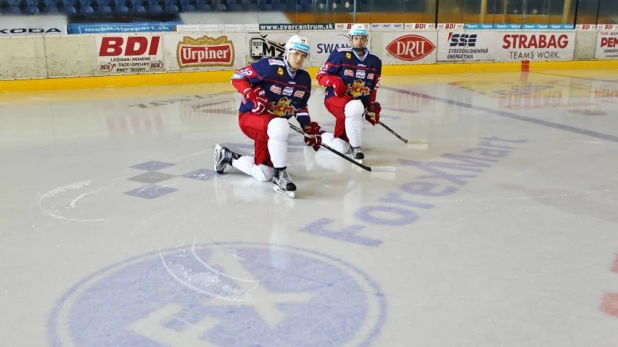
x=359 y=38
x=351 y=78
x=296 y=51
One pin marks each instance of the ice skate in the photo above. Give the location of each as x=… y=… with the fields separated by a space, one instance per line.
x=282 y=183
x=357 y=154
x=223 y=158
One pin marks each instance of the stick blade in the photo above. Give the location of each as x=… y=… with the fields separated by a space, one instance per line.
x=417 y=141
x=383 y=169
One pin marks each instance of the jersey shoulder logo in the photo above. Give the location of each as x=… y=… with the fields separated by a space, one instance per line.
x=276 y=62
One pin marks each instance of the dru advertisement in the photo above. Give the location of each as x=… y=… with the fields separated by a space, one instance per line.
x=409 y=47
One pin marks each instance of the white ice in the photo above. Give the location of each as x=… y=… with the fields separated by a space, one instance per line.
x=517 y=247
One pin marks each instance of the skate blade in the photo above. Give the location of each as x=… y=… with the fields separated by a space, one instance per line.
x=215 y=156
x=285 y=193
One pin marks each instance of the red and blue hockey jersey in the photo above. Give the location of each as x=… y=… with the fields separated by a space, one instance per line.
x=287 y=92
x=361 y=75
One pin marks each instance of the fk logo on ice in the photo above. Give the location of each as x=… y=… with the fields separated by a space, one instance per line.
x=222 y=295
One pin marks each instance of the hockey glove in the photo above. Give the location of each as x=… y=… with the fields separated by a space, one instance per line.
x=373 y=113
x=339 y=86
x=313 y=138
x=257 y=96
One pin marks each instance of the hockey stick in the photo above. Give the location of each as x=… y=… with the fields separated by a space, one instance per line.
x=412 y=142
x=365 y=167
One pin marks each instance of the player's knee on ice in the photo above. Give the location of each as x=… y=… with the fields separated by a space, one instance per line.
x=354 y=109
x=278 y=129
x=262 y=172
x=336 y=143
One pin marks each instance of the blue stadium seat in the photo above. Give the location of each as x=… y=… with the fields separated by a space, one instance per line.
x=155 y=9
x=31 y=10
x=28 y=3
x=122 y=9
x=139 y=9
x=187 y=7
x=104 y=9
x=69 y=9
x=87 y=9
x=12 y=10
x=51 y=9
x=267 y=7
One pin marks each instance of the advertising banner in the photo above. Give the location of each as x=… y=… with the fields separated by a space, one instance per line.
x=216 y=27
x=419 y=26
x=533 y=45
x=386 y=27
x=32 y=25
x=265 y=44
x=128 y=54
x=102 y=28
x=405 y=48
x=323 y=44
x=201 y=51
x=296 y=27
x=607 y=45
x=464 y=46
x=450 y=26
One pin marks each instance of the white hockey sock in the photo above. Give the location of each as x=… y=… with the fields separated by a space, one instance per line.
x=354 y=111
x=278 y=132
x=354 y=130
x=278 y=152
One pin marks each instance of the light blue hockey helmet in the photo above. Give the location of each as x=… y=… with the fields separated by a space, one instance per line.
x=297 y=43
x=358 y=30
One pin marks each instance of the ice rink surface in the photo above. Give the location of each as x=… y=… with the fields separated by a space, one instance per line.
x=116 y=232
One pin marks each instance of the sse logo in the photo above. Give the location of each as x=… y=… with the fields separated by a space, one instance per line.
x=462 y=40
x=410 y=47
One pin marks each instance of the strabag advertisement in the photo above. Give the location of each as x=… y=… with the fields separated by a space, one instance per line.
x=504 y=46
x=533 y=45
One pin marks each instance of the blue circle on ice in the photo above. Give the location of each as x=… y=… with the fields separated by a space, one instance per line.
x=234 y=294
